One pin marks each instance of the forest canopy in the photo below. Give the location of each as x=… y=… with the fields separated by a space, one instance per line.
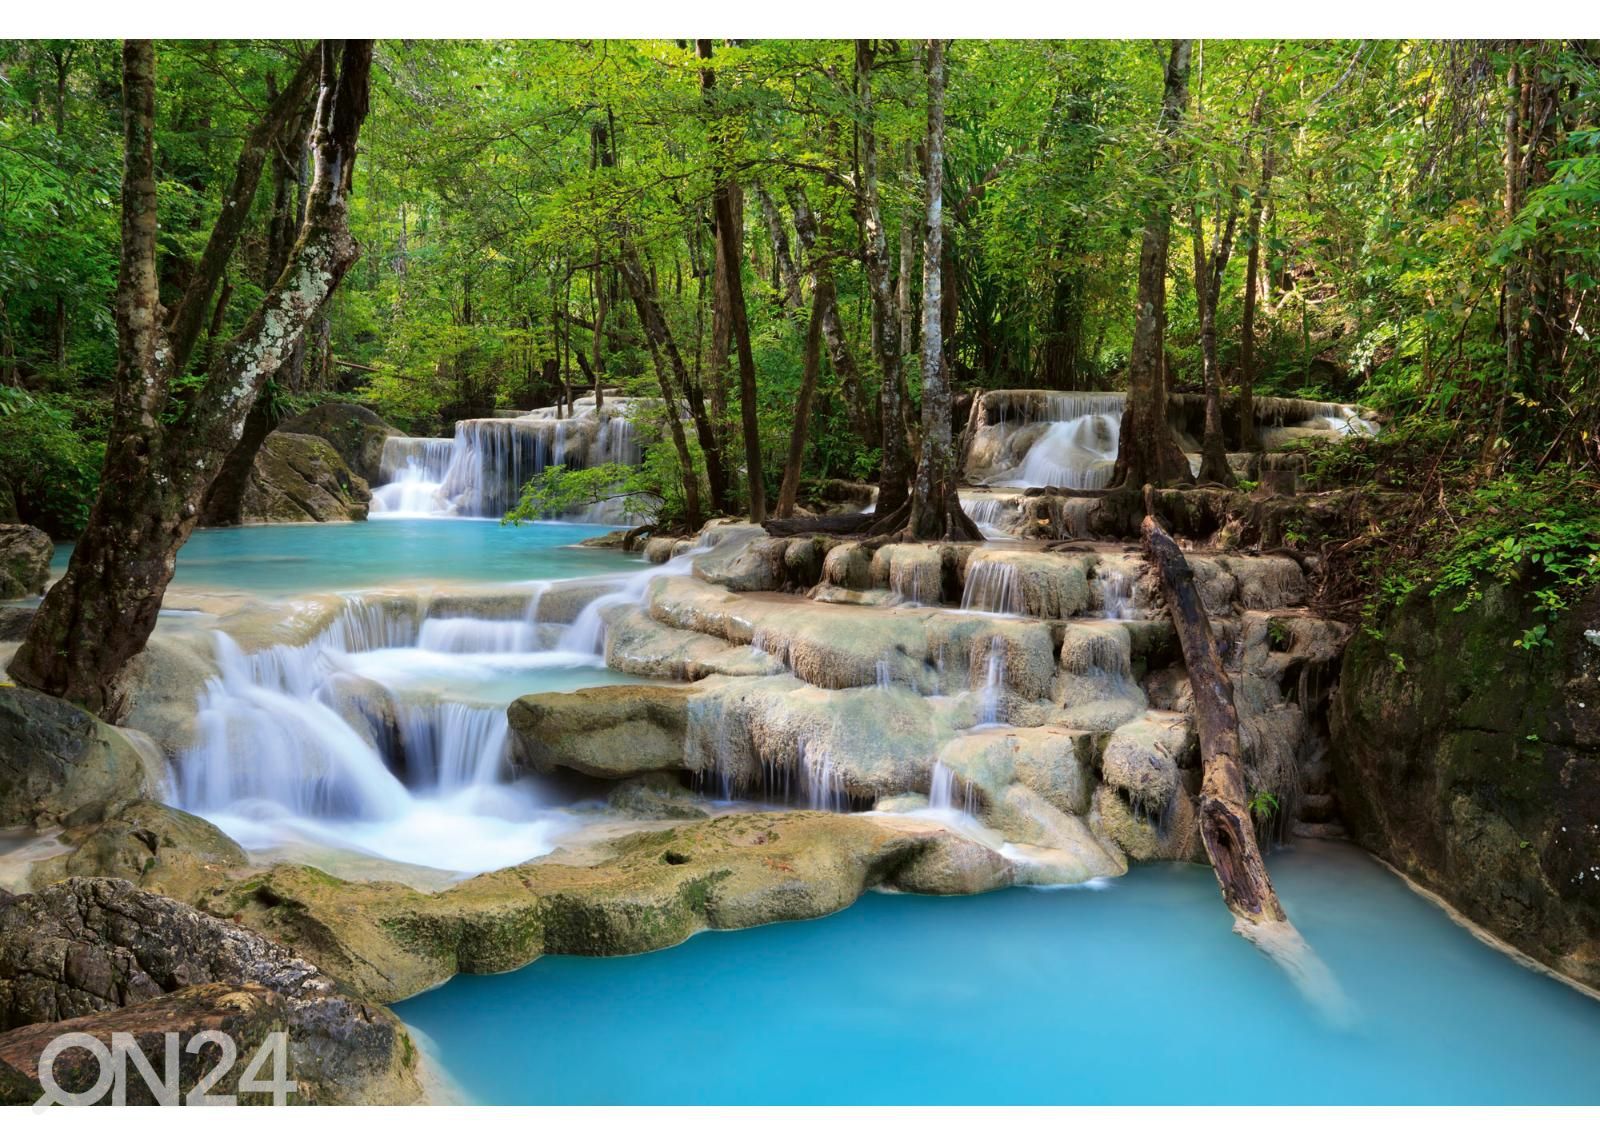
x=1409 y=225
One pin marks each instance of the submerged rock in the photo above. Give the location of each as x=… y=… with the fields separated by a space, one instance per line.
x=24 y=560
x=299 y=477
x=1474 y=766
x=87 y=946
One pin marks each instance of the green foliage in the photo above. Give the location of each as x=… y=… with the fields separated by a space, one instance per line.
x=1263 y=805
x=50 y=462
x=558 y=491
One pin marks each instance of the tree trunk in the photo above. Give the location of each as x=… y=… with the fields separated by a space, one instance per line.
x=935 y=502
x=1208 y=289
x=788 y=275
x=1225 y=826
x=817 y=239
x=1147 y=450
x=1249 y=439
x=183 y=328
x=163 y=449
x=894 y=476
x=669 y=370
x=224 y=503
x=811 y=367
x=730 y=238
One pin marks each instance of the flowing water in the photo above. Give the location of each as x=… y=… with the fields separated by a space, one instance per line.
x=1132 y=992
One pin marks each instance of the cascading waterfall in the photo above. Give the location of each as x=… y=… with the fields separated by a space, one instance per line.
x=992 y=697
x=1079 y=453
x=481 y=470
x=587 y=633
x=942 y=792
x=346 y=740
x=992 y=586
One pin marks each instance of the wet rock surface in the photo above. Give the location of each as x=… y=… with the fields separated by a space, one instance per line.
x=58 y=764
x=301 y=477
x=82 y=948
x=24 y=560
x=1474 y=766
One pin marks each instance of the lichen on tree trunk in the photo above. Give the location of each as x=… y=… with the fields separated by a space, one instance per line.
x=164 y=447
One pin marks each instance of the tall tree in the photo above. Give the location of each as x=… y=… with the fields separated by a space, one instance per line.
x=167 y=440
x=1147 y=451
x=729 y=242
x=894 y=475
x=935 y=501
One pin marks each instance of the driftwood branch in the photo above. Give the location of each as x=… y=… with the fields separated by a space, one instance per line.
x=1225 y=826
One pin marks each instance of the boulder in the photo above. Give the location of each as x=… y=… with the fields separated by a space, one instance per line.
x=58 y=764
x=355 y=432
x=299 y=477
x=609 y=732
x=87 y=946
x=642 y=892
x=148 y=844
x=1473 y=765
x=654 y=796
x=24 y=560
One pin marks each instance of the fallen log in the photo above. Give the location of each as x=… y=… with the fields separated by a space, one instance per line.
x=838 y=524
x=1225 y=826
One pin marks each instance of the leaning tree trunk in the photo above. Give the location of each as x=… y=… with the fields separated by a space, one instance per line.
x=224 y=503
x=935 y=501
x=1225 y=825
x=1147 y=451
x=164 y=449
x=669 y=370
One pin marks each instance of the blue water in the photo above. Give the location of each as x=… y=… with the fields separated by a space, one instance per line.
x=287 y=559
x=1138 y=993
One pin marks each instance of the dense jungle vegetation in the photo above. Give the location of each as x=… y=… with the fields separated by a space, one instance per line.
x=742 y=227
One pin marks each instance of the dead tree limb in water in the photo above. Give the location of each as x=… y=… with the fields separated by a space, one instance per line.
x=1225 y=826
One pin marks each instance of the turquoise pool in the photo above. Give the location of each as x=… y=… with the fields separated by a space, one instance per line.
x=288 y=559
x=1134 y=993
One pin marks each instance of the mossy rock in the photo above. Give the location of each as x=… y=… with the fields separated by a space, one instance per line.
x=1474 y=765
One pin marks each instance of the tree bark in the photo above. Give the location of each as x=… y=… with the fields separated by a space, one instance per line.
x=224 y=503
x=1208 y=271
x=935 y=502
x=1147 y=450
x=183 y=329
x=1225 y=825
x=894 y=476
x=817 y=240
x=1249 y=439
x=165 y=446
x=670 y=373
x=729 y=240
x=811 y=367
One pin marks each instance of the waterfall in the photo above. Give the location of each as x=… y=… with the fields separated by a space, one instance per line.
x=587 y=633
x=942 y=792
x=993 y=695
x=345 y=740
x=412 y=469
x=1079 y=453
x=481 y=470
x=992 y=586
